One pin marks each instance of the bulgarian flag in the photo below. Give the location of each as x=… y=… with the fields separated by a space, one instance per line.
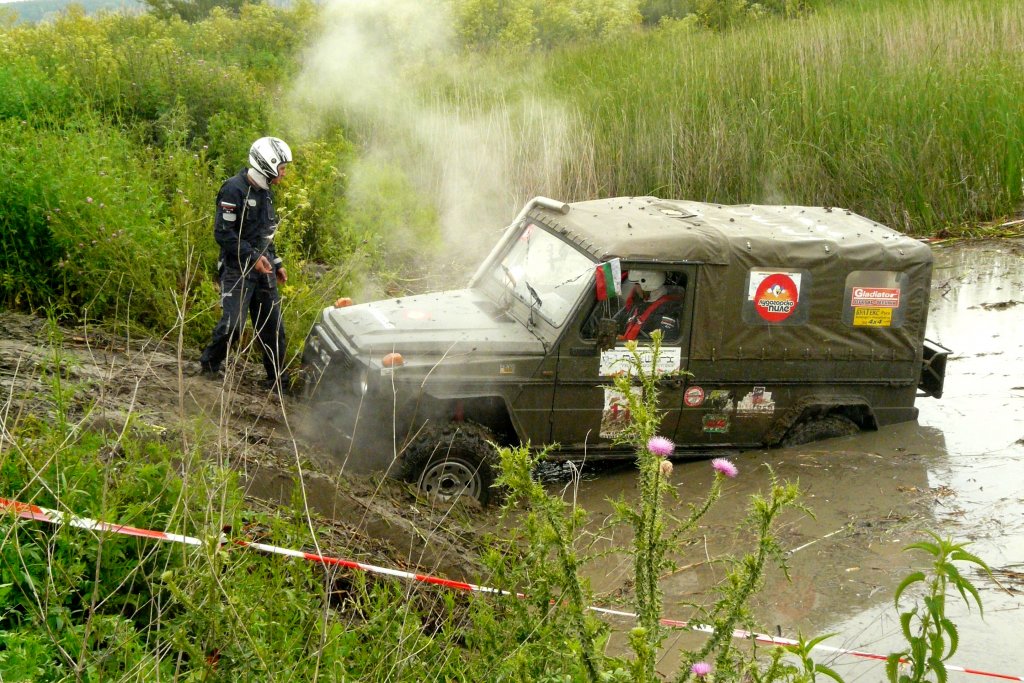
x=609 y=280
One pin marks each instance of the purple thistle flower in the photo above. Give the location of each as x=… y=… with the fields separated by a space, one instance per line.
x=701 y=669
x=724 y=467
x=659 y=445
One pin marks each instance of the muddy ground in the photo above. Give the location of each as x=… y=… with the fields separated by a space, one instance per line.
x=958 y=472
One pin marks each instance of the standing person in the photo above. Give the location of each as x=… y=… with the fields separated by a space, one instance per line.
x=250 y=270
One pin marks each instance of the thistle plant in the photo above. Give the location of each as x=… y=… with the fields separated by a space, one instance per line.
x=652 y=543
x=745 y=579
x=657 y=535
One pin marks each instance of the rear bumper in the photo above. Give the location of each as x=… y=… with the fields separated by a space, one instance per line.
x=933 y=369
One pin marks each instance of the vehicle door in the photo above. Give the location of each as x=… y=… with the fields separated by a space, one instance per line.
x=588 y=411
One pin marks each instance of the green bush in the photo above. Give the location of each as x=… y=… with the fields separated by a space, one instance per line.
x=82 y=224
x=137 y=71
x=147 y=118
x=25 y=90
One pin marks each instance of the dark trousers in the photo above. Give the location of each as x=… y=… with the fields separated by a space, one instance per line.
x=258 y=295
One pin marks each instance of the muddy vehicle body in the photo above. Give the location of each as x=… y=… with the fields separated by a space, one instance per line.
x=787 y=325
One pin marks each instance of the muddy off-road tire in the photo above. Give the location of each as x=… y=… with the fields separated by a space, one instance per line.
x=447 y=461
x=819 y=428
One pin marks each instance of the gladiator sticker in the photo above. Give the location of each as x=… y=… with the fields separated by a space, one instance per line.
x=619 y=361
x=506 y=369
x=875 y=297
x=694 y=397
x=615 y=416
x=715 y=424
x=775 y=295
x=757 y=402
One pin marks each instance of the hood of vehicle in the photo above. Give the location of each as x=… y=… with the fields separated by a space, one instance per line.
x=457 y=321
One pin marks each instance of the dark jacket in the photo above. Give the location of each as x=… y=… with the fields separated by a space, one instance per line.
x=244 y=224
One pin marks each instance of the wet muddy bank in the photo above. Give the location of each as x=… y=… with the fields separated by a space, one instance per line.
x=149 y=384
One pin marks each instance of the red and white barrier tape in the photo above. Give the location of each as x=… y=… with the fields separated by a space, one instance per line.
x=40 y=514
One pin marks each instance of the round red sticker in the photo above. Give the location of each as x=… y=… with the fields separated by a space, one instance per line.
x=776 y=297
x=693 y=397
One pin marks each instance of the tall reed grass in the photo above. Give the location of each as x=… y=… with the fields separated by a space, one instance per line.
x=909 y=113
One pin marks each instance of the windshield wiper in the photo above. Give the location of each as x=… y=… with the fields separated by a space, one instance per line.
x=533 y=293
x=515 y=282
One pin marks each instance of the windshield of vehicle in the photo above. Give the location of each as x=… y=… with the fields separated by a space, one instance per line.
x=544 y=271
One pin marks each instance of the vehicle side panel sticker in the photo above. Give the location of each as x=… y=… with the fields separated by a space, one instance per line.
x=694 y=397
x=776 y=296
x=720 y=401
x=715 y=423
x=757 y=402
x=619 y=361
x=615 y=416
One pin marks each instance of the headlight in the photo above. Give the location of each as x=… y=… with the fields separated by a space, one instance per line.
x=390 y=363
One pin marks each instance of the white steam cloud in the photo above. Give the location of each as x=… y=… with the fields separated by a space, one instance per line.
x=477 y=160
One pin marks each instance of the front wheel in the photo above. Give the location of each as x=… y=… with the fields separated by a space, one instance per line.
x=452 y=460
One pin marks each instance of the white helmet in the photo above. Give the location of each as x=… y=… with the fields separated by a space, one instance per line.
x=267 y=154
x=649 y=280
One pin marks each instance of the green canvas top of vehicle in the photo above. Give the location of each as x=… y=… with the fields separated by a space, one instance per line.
x=828 y=242
x=651 y=229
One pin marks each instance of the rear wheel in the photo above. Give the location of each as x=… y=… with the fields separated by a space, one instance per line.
x=451 y=461
x=819 y=428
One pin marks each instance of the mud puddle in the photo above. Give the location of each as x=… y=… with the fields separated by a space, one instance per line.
x=957 y=472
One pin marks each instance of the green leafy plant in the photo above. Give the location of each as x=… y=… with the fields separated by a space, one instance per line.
x=932 y=638
x=553 y=530
x=808 y=670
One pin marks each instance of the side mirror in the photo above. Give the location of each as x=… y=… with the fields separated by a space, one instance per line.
x=607 y=333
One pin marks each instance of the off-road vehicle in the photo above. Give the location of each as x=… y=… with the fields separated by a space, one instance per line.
x=780 y=324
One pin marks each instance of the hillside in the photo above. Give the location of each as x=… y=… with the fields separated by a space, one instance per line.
x=31 y=11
